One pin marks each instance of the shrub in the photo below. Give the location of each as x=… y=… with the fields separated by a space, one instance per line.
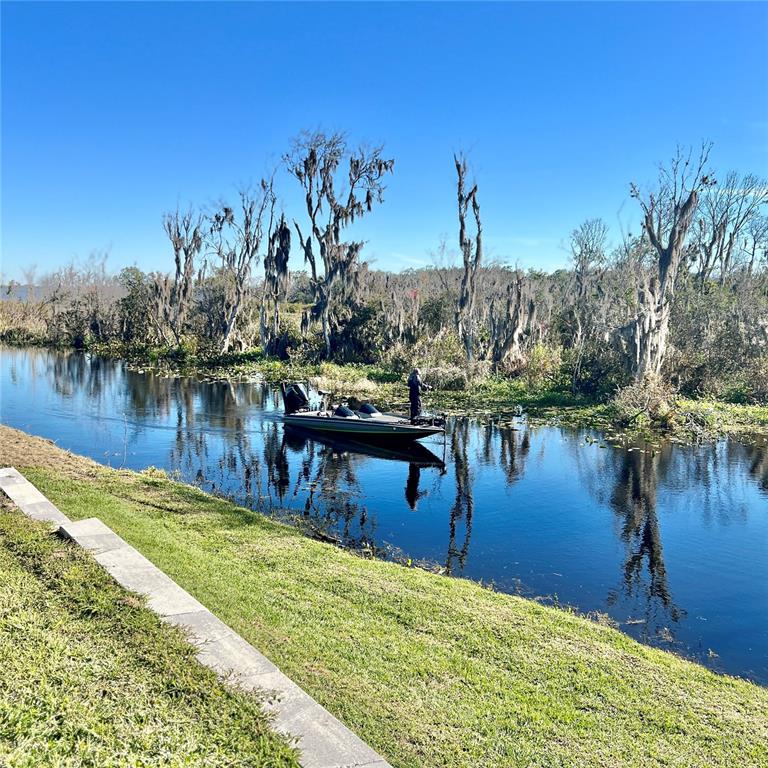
x=649 y=399
x=441 y=350
x=449 y=377
x=480 y=370
x=544 y=366
x=749 y=385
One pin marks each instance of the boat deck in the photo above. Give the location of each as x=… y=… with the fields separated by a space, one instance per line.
x=379 y=425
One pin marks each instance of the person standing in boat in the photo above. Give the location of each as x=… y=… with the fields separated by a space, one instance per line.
x=415 y=387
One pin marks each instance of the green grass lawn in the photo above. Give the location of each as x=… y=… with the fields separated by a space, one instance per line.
x=89 y=677
x=431 y=671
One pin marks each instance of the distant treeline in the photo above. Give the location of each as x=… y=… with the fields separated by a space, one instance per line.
x=684 y=301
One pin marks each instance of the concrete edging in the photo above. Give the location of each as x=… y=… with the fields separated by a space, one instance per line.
x=324 y=741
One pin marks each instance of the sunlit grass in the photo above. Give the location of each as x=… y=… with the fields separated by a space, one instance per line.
x=89 y=677
x=431 y=671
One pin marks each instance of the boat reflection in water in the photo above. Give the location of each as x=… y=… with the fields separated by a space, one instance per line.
x=417 y=455
x=414 y=453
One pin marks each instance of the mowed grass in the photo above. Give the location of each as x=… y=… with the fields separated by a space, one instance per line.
x=89 y=677
x=431 y=671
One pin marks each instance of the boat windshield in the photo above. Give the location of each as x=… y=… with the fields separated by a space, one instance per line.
x=342 y=410
x=368 y=409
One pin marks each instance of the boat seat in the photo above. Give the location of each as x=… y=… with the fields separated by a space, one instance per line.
x=368 y=411
x=345 y=412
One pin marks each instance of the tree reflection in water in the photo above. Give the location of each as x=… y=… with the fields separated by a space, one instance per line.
x=203 y=410
x=70 y=373
x=276 y=461
x=513 y=452
x=634 y=500
x=505 y=447
x=757 y=453
x=463 y=504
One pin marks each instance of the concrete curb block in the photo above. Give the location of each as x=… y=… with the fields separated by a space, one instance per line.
x=28 y=499
x=323 y=740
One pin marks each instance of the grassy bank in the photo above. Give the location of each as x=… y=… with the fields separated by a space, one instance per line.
x=89 y=677
x=430 y=671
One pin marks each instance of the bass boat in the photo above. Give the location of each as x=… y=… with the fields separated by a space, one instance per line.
x=367 y=423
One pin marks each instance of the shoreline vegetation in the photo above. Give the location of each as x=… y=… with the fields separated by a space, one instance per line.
x=490 y=397
x=428 y=670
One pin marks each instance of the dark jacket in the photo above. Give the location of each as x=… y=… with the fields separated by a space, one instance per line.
x=415 y=385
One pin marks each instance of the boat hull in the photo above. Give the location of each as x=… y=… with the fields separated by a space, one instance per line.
x=365 y=429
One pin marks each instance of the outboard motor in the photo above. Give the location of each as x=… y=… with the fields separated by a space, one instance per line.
x=294 y=398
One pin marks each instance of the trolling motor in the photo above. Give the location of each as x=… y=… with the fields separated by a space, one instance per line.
x=295 y=398
x=428 y=420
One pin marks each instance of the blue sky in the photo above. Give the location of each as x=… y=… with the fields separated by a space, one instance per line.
x=114 y=113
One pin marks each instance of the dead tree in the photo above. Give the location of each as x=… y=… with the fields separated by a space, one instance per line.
x=235 y=241
x=315 y=161
x=472 y=255
x=727 y=212
x=667 y=217
x=275 y=281
x=510 y=325
x=173 y=295
x=29 y=274
x=755 y=243
x=587 y=245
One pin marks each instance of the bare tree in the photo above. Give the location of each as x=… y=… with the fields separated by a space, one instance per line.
x=275 y=280
x=755 y=243
x=30 y=274
x=235 y=240
x=80 y=301
x=727 y=211
x=667 y=217
x=510 y=324
x=173 y=295
x=315 y=161
x=587 y=245
x=472 y=255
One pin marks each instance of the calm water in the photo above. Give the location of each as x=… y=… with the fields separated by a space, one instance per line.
x=669 y=540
